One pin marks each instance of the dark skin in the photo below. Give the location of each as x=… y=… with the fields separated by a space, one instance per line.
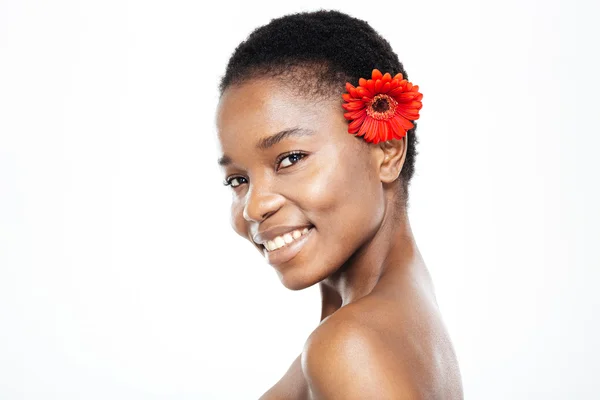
x=381 y=335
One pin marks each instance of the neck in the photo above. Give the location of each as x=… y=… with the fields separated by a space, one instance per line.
x=391 y=253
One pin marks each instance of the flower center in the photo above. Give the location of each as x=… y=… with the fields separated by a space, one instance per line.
x=382 y=107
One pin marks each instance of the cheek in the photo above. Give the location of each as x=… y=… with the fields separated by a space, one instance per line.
x=344 y=200
x=343 y=189
x=238 y=222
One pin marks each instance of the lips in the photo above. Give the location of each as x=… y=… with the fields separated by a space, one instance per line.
x=271 y=233
x=289 y=251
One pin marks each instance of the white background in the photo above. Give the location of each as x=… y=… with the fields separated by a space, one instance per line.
x=121 y=277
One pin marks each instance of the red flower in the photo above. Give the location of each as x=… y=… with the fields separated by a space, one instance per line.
x=382 y=107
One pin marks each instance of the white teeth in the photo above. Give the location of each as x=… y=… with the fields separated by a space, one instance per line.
x=281 y=241
x=288 y=238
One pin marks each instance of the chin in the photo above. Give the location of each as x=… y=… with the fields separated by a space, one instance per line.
x=296 y=280
x=300 y=277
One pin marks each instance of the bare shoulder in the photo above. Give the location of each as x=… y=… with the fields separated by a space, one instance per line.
x=344 y=358
x=367 y=350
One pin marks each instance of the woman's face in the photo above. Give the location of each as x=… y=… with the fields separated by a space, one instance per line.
x=331 y=184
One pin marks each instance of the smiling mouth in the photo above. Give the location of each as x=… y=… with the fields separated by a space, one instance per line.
x=282 y=242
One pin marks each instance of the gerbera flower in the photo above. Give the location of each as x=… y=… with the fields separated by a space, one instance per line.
x=382 y=107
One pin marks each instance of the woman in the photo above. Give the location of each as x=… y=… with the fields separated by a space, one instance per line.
x=319 y=172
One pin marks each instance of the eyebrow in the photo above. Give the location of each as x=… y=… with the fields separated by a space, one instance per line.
x=270 y=141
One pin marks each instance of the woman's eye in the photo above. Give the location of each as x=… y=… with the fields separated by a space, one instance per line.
x=232 y=181
x=295 y=157
x=284 y=162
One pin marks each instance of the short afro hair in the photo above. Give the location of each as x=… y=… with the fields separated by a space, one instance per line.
x=329 y=47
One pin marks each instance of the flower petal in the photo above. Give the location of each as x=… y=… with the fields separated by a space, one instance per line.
x=385 y=88
x=346 y=97
x=397 y=91
x=355 y=125
x=361 y=92
x=376 y=74
x=378 y=85
x=383 y=130
x=366 y=127
x=371 y=131
x=354 y=114
x=397 y=129
x=405 y=96
x=354 y=105
x=370 y=86
x=405 y=123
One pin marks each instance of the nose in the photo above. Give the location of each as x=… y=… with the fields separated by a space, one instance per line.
x=261 y=203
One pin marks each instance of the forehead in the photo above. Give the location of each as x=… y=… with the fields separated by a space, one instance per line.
x=264 y=106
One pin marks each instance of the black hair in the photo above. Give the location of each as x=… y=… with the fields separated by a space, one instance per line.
x=330 y=47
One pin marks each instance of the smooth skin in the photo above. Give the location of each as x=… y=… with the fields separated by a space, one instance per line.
x=381 y=335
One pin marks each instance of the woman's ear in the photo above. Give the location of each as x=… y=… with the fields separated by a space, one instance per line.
x=390 y=158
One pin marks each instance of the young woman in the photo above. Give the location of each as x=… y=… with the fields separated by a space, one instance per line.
x=320 y=171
